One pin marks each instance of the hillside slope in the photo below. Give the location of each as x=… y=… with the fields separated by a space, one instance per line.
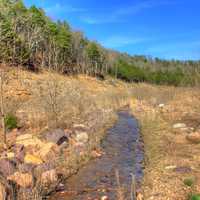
x=56 y=117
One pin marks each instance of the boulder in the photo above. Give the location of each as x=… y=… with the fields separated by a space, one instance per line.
x=29 y=140
x=194 y=137
x=49 y=177
x=60 y=187
x=57 y=136
x=48 y=152
x=24 y=137
x=32 y=159
x=24 y=180
x=161 y=105
x=81 y=137
x=7 y=167
x=19 y=151
x=179 y=125
x=183 y=170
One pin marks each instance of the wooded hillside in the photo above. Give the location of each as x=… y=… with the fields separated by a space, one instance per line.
x=31 y=39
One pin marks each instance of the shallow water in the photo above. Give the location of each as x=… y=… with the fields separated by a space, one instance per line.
x=123 y=153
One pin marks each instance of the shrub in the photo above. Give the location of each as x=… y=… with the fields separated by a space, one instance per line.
x=189 y=182
x=195 y=197
x=10 y=122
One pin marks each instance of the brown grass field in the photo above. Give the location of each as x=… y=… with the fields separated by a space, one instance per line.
x=46 y=100
x=171 y=161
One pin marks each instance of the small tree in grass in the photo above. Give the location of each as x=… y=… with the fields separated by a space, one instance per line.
x=52 y=99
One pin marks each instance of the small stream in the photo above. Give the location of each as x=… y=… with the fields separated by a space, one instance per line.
x=123 y=155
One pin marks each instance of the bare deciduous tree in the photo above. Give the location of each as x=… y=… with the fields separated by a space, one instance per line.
x=52 y=99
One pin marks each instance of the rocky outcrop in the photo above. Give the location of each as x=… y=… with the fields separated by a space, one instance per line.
x=29 y=140
x=31 y=161
x=7 y=167
x=81 y=137
x=37 y=151
x=19 y=151
x=57 y=136
x=194 y=137
x=179 y=126
x=48 y=151
x=80 y=133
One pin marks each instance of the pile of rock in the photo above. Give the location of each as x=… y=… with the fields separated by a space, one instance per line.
x=191 y=135
x=33 y=160
x=194 y=137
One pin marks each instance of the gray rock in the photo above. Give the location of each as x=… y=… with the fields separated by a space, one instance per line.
x=81 y=137
x=19 y=151
x=179 y=125
x=183 y=170
x=7 y=167
x=60 y=187
x=57 y=136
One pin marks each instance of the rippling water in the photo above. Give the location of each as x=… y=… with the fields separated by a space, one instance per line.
x=98 y=177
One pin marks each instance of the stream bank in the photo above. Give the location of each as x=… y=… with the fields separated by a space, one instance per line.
x=111 y=175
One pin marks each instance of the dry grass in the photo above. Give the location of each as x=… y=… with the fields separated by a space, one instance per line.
x=47 y=100
x=37 y=99
x=166 y=149
x=44 y=101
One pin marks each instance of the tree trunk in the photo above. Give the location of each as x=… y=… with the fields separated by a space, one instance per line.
x=2 y=106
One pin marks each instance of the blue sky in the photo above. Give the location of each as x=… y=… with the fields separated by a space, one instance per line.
x=168 y=29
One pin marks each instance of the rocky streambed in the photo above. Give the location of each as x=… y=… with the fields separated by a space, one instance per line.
x=116 y=172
